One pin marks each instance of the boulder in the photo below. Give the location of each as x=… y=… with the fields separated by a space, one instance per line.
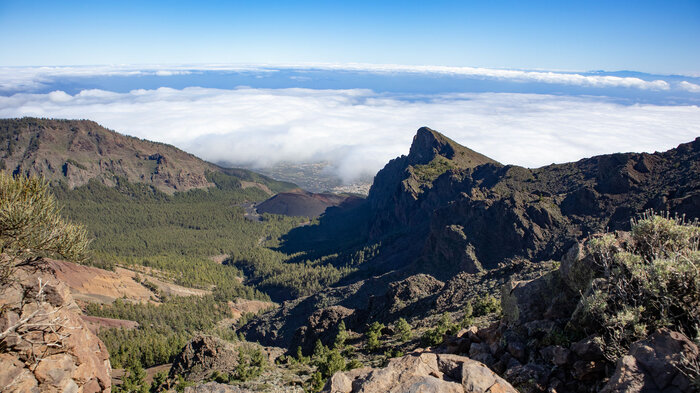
x=556 y=354
x=204 y=355
x=421 y=372
x=534 y=300
x=590 y=348
x=321 y=325
x=54 y=350
x=658 y=364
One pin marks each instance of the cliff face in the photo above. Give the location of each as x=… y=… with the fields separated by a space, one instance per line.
x=46 y=346
x=396 y=194
x=465 y=212
x=76 y=151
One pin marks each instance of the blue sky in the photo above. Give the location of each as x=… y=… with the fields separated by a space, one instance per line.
x=348 y=83
x=649 y=36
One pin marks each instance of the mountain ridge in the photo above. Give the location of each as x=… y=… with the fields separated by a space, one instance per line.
x=77 y=151
x=482 y=219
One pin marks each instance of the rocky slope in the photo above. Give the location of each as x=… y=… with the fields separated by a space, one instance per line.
x=473 y=214
x=452 y=213
x=46 y=346
x=76 y=151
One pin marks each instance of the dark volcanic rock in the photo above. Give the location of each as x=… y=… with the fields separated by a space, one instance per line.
x=321 y=325
x=451 y=213
x=475 y=213
x=204 y=355
x=301 y=203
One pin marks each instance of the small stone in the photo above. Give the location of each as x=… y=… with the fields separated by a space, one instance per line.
x=590 y=348
x=586 y=369
x=517 y=349
x=556 y=354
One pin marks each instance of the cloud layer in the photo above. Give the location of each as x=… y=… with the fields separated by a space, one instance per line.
x=31 y=78
x=358 y=131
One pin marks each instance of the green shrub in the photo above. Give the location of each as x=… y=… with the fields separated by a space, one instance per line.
x=373 y=334
x=652 y=283
x=436 y=335
x=342 y=336
x=486 y=305
x=403 y=330
x=468 y=318
x=31 y=226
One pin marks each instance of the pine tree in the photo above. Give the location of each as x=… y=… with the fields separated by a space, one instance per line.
x=31 y=226
x=403 y=330
x=373 y=334
x=342 y=336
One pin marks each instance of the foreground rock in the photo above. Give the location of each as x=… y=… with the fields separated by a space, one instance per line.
x=421 y=372
x=53 y=350
x=656 y=364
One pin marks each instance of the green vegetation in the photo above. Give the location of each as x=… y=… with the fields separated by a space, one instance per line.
x=374 y=333
x=436 y=335
x=134 y=380
x=163 y=329
x=251 y=364
x=341 y=337
x=429 y=172
x=403 y=330
x=652 y=284
x=327 y=362
x=468 y=318
x=31 y=226
x=486 y=305
x=137 y=225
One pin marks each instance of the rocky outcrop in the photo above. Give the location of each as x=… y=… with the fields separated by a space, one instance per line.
x=202 y=356
x=421 y=372
x=321 y=325
x=46 y=346
x=384 y=299
x=205 y=355
x=476 y=213
x=665 y=362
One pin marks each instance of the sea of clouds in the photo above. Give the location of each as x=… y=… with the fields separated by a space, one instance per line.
x=359 y=130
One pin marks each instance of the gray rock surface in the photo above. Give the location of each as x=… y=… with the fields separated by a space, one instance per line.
x=421 y=372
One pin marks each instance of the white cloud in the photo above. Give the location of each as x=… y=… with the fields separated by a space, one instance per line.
x=515 y=75
x=358 y=131
x=29 y=78
x=691 y=87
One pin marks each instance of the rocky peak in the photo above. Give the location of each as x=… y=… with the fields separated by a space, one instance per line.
x=428 y=144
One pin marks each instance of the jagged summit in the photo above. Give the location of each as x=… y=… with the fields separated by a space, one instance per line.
x=428 y=143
